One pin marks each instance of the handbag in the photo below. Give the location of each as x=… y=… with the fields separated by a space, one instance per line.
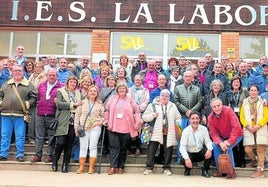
x=178 y=129
x=81 y=128
x=147 y=129
x=26 y=113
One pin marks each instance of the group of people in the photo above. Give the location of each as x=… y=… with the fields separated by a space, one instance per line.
x=218 y=105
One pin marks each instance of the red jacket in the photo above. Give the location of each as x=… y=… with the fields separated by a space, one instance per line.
x=225 y=126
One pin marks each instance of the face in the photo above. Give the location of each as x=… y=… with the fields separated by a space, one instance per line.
x=11 y=62
x=121 y=73
x=265 y=71
x=86 y=83
x=208 y=57
x=158 y=64
x=63 y=63
x=217 y=69
x=20 y=50
x=253 y=92
x=111 y=82
x=194 y=121
x=142 y=56
x=164 y=98
x=216 y=87
x=124 y=61
x=84 y=62
x=263 y=59
x=151 y=65
x=17 y=73
x=229 y=66
x=182 y=62
x=122 y=91
x=104 y=73
x=45 y=61
x=243 y=68
x=202 y=64
x=29 y=67
x=70 y=66
x=175 y=73
x=137 y=81
x=71 y=85
x=38 y=68
x=52 y=61
x=188 y=77
x=5 y=63
x=52 y=76
x=92 y=93
x=194 y=69
x=161 y=81
x=172 y=63
x=216 y=106
x=236 y=84
x=250 y=64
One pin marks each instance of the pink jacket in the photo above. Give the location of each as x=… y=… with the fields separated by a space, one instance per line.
x=131 y=117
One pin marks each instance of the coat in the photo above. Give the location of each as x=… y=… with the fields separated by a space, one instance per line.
x=64 y=107
x=172 y=115
x=262 y=119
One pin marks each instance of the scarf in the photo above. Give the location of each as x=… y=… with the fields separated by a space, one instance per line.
x=253 y=108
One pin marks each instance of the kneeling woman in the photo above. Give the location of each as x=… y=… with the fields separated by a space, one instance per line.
x=68 y=98
x=90 y=115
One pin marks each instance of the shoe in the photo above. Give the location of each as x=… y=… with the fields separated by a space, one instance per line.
x=21 y=159
x=252 y=163
x=55 y=167
x=64 y=168
x=35 y=159
x=111 y=171
x=148 y=172
x=31 y=142
x=48 y=159
x=217 y=174
x=258 y=174
x=205 y=173
x=187 y=172
x=120 y=171
x=3 y=158
x=138 y=152
x=167 y=172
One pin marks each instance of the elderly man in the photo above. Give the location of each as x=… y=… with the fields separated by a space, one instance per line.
x=52 y=63
x=141 y=64
x=196 y=145
x=84 y=65
x=12 y=117
x=20 y=58
x=225 y=131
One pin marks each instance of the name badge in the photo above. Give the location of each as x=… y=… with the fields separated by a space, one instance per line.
x=119 y=116
x=236 y=109
x=151 y=85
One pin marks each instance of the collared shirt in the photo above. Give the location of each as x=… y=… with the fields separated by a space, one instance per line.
x=49 y=88
x=193 y=141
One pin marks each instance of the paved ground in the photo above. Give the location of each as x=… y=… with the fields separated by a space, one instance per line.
x=48 y=179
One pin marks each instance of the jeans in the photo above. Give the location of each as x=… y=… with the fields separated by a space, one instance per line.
x=8 y=124
x=90 y=140
x=184 y=123
x=217 y=151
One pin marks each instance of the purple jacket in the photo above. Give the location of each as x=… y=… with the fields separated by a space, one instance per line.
x=44 y=106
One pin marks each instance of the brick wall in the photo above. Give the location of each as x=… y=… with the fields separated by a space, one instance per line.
x=230 y=45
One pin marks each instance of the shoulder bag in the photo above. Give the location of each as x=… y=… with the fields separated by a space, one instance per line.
x=147 y=129
x=81 y=128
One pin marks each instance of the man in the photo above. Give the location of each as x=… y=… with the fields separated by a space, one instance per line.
x=203 y=72
x=12 y=111
x=159 y=67
x=84 y=65
x=225 y=131
x=20 y=58
x=217 y=74
x=52 y=63
x=262 y=80
x=247 y=79
x=63 y=72
x=44 y=59
x=182 y=64
x=141 y=64
x=224 y=60
x=149 y=76
x=187 y=98
x=209 y=61
x=196 y=145
x=262 y=61
x=11 y=61
x=251 y=68
x=46 y=109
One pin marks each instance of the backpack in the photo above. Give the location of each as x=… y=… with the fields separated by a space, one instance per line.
x=225 y=165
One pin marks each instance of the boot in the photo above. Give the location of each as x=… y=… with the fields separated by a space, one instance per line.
x=64 y=168
x=82 y=162
x=92 y=163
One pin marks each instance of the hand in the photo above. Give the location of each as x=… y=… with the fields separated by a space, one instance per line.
x=208 y=154
x=251 y=129
x=188 y=113
x=105 y=123
x=256 y=127
x=223 y=146
x=155 y=115
x=188 y=163
x=226 y=143
x=78 y=103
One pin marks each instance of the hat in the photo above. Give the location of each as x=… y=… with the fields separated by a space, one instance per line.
x=265 y=64
x=165 y=91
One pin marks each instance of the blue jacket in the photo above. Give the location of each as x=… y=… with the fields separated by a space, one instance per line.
x=212 y=77
x=261 y=82
x=156 y=93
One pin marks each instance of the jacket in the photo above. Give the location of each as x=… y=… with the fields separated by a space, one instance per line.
x=9 y=101
x=172 y=115
x=262 y=119
x=47 y=106
x=64 y=107
x=224 y=126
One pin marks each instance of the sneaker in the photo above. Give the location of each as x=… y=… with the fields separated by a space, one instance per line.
x=21 y=159
x=35 y=159
x=148 y=172
x=167 y=172
x=48 y=159
x=3 y=158
x=258 y=174
x=252 y=163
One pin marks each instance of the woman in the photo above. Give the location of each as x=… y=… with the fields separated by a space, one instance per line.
x=254 y=118
x=216 y=91
x=163 y=131
x=123 y=117
x=100 y=79
x=84 y=72
x=121 y=76
x=124 y=62
x=235 y=99
x=28 y=68
x=229 y=70
x=68 y=99
x=90 y=114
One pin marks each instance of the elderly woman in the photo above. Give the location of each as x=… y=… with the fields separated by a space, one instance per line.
x=122 y=115
x=28 y=68
x=121 y=76
x=100 y=79
x=254 y=118
x=125 y=63
x=216 y=91
x=90 y=115
x=68 y=99
x=166 y=113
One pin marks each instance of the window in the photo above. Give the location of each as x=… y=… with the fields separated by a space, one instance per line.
x=4 y=43
x=52 y=43
x=252 y=47
x=78 y=44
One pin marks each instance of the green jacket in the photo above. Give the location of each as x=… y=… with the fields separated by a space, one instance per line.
x=9 y=101
x=64 y=107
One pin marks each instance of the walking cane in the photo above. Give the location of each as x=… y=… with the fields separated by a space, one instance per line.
x=102 y=140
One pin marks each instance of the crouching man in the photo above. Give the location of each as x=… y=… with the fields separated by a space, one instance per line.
x=196 y=145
